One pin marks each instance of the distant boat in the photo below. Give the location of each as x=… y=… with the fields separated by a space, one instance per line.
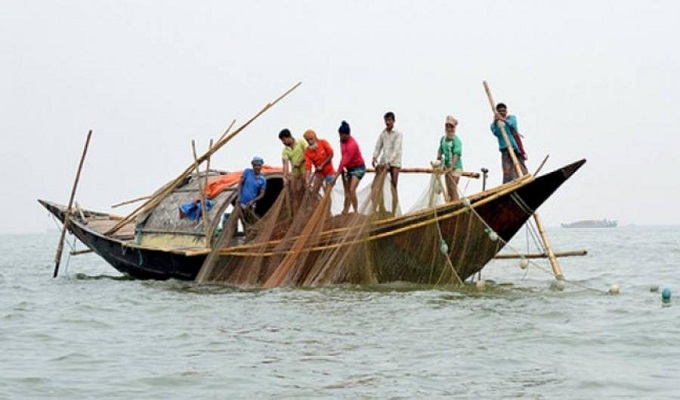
x=592 y=223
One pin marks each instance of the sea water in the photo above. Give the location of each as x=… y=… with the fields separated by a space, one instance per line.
x=92 y=333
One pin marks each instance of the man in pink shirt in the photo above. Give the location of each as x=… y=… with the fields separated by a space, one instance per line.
x=352 y=167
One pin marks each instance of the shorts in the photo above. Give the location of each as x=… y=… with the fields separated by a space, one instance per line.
x=359 y=172
x=509 y=171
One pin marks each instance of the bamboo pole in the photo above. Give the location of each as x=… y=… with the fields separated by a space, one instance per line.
x=413 y=170
x=167 y=189
x=204 y=208
x=540 y=166
x=126 y=202
x=504 y=133
x=428 y=170
x=557 y=271
x=572 y=253
x=209 y=234
x=79 y=252
x=60 y=246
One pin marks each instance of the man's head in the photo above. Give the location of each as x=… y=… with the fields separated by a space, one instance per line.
x=257 y=164
x=389 y=120
x=286 y=137
x=344 y=131
x=450 y=125
x=310 y=137
x=502 y=109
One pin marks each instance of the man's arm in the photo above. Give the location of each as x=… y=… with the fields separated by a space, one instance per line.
x=240 y=187
x=286 y=168
x=377 y=150
x=511 y=123
x=259 y=195
x=397 y=148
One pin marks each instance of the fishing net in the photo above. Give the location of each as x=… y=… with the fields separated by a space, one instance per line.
x=309 y=243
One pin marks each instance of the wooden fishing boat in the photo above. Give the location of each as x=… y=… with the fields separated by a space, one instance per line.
x=472 y=230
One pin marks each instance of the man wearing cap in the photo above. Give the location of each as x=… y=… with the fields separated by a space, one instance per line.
x=450 y=152
x=352 y=167
x=509 y=171
x=318 y=154
x=252 y=185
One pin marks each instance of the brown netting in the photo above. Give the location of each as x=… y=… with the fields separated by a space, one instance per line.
x=309 y=246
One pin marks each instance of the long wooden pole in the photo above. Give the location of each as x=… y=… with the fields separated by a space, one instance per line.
x=504 y=133
x=557 y=271
x=210 y=231
x=166 y=190
x=427 y=170
x=572 y=253
x=60 y=246
x=204 y=207
x=122 y=203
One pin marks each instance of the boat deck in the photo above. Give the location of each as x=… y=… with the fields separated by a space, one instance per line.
x=102 y=223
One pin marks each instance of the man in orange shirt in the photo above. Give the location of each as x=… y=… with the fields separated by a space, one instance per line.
x=318 y=154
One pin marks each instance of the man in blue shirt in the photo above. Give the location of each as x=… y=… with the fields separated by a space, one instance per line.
x=252 y=185
x=509 y=171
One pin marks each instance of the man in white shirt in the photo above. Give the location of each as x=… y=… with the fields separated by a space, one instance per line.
x=388 y=148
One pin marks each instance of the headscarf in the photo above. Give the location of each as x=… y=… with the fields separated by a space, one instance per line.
x=310 y=134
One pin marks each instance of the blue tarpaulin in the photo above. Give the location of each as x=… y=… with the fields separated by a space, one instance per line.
x=194 y=209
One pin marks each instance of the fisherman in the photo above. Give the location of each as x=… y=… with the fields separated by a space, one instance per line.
x=451 y=150
x=252 y=186
x=352 y=167
x=388 y=148
x=319 y=155
x=509 y=171
x=293 y=160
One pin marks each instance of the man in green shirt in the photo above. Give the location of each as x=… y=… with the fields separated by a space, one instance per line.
x=451 y=150
x=293 y=159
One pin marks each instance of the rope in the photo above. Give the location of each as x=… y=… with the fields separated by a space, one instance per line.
x=441 y=240
x=514 y=250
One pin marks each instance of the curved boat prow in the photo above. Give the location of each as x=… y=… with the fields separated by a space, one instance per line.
x=55 y=209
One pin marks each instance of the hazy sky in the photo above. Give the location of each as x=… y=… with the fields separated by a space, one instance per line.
x=587 y=79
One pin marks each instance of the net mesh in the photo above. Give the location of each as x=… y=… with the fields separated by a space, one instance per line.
x=307 y=243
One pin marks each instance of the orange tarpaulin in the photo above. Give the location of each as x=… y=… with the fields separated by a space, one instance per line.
x=224 y=182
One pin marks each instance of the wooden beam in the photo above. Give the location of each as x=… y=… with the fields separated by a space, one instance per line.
x=67 y=213
x=412 y=170
x=572 y=253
